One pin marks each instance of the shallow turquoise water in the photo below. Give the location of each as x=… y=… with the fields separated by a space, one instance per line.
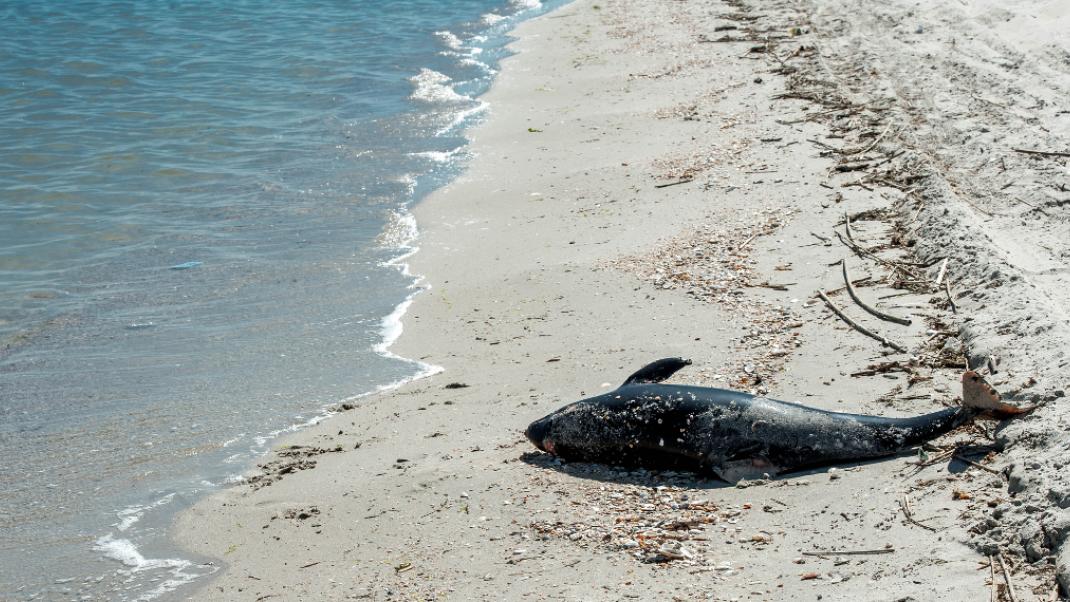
x=202 y=229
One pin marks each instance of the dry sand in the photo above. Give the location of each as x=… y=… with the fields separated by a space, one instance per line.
x=557 y=266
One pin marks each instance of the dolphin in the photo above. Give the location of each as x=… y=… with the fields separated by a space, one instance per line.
x=729 y=434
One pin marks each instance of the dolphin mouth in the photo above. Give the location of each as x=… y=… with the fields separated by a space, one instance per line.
x=540 y=434
x=537 y=433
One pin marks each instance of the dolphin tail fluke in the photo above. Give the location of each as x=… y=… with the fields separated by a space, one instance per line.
x=977 y=394
x=657 y=371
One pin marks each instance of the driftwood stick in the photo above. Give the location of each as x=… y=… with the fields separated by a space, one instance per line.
x=862 y=251
x=1007 y=577
x=850 y=552
x=940 y=274
x=872 y=310
x=684 y=181
x=1042 y=153
x=859 y=327
x=896 y=266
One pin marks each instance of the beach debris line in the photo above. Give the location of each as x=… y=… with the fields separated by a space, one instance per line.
x=288 y=460
x=654 y=524
x=901 y=164
x=713 y=263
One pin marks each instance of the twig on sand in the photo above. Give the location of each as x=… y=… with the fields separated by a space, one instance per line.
x=992 y=578
x=774 y=286
x=827 y=147
x=748 y=241
x=847 y=226
x=821 y=554
x=882 y=368
x=872 y=145
x=1027 y=204
x=977 y=465
x=1042 y=153
x=824 y=239
x=935 y=459
x=947 y=289
x=876 y=312
x=940 y=274
x=684 y=181
x=901 y=267
x=1007 y=577
x=904 y=503
x=721 y=40
x=864 y=252
x=859 y=327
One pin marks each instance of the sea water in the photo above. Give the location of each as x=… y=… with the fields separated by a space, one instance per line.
x=203 y=226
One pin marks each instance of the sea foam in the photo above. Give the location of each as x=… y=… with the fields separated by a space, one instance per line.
x=462 y=117
x=433 y=87
x=450 y=39
x=522 y=5
x=124 y=551
x=439 y=156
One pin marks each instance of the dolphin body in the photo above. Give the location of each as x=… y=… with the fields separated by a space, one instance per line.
x=731 y=434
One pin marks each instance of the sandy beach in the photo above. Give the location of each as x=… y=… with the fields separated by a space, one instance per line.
x=660 y=178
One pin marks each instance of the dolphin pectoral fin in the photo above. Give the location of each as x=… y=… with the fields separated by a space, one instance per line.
x=658 y=371
x=750 y=469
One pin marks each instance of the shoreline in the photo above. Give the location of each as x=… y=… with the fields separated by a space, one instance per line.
x=170 y=356
x=558 y=263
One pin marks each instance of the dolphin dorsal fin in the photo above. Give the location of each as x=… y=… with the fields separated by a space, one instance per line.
x=658 y=371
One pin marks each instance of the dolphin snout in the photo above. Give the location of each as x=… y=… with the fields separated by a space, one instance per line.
x=537 y=432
